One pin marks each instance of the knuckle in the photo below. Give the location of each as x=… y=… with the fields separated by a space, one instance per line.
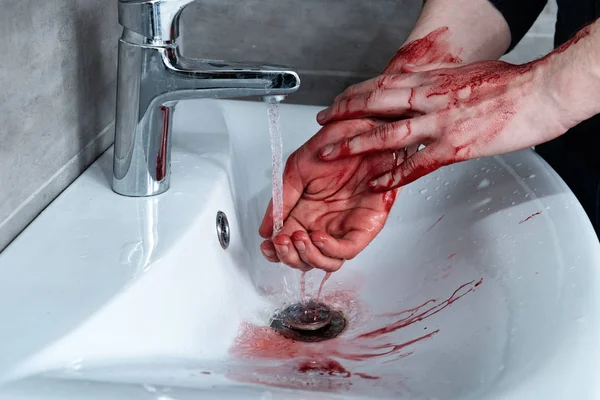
x=342 y=106
x=409 y=165
x=383 y=134
x=372 y=98
x=383 y=81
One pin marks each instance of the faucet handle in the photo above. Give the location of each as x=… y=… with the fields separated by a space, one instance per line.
x=157 y=20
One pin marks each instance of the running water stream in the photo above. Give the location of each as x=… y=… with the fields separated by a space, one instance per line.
x=277 y=183
x=277 y=160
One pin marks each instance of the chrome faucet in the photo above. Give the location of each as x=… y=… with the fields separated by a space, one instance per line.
x=153 y=76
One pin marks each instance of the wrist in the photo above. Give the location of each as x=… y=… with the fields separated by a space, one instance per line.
x=571 y=78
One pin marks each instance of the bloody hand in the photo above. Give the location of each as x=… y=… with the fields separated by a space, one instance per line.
x=330 y=213
x=458 y=112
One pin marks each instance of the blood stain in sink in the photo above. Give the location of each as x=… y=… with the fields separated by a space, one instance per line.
x=318 y=362
x=264 y=343
x=324 y=366
x=530 y=217
x=423 y=311
x=435 y=223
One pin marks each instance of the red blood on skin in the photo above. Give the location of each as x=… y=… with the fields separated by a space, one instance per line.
x=345 y=149
x=485 y=80
x=434 y=47
x=388 y=199
x=575 y=39
x=410 y=101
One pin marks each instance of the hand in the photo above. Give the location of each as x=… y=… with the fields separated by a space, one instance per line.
x=330 y=214
x=457 y=112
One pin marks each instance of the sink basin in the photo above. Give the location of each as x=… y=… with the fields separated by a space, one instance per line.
x=484 y=284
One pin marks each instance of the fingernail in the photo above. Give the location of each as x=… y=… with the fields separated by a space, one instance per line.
x=300 y=246
x=319 y=244
x=326 y=150
x=281 y=249
x=268 y=253
x=321 y=115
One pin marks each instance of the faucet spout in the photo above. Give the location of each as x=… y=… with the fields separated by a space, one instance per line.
x=152 y=78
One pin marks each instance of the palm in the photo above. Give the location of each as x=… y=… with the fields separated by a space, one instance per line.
x=328 y=206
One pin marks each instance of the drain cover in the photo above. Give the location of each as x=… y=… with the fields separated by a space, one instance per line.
x=223 y=229
x=308 y=322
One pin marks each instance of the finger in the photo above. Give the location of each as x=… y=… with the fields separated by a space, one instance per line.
x=268 y=251
x=420 y=164
x=378 y=103
x=292 y=190
x=312 y=256
x=392 y=136
x=345 y=248
x=288 y=254
x=395 y=81
x=412 y=68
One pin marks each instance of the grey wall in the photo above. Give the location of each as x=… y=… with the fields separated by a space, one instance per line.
x=58 y=70
x=57 y=85
x=333 y=43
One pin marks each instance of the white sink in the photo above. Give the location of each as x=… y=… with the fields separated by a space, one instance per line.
x=107 y=297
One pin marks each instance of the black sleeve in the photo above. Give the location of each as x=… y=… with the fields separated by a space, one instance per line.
x=520 y=16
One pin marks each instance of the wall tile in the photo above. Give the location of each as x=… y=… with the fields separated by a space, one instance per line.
x=58 y=94
x=340 y=35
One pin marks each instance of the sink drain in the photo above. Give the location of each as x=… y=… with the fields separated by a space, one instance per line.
x=308 y=322
x=223 y=229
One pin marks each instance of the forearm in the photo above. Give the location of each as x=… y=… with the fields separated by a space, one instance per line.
x=572 y=77
x=455 y=31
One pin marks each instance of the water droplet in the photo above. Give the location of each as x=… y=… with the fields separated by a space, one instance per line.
x=446 y=183
x=448 y=196
x=531 y=176
x=74 y=366
x=149 y=388
x=518 y=165
x=483 y=184
x=423 y=191
x=437 y=188
x=428 y=197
